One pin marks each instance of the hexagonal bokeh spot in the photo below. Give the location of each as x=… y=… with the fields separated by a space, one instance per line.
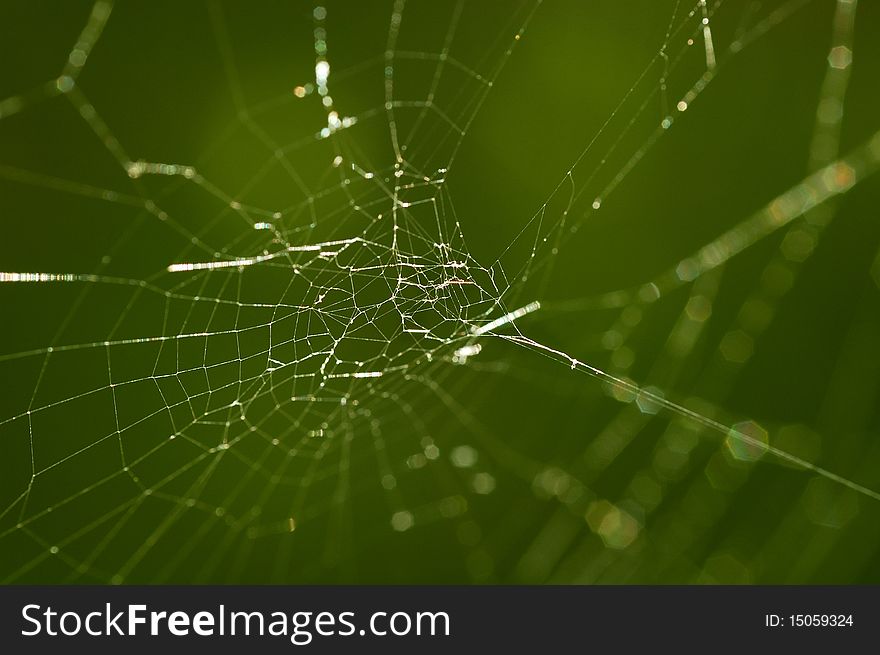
x=650 y=400
x=747 y=441
x=617 y=527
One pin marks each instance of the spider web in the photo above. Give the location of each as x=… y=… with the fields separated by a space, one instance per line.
x=273 y=357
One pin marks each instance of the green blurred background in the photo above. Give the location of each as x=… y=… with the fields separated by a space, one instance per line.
x=135 y=461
